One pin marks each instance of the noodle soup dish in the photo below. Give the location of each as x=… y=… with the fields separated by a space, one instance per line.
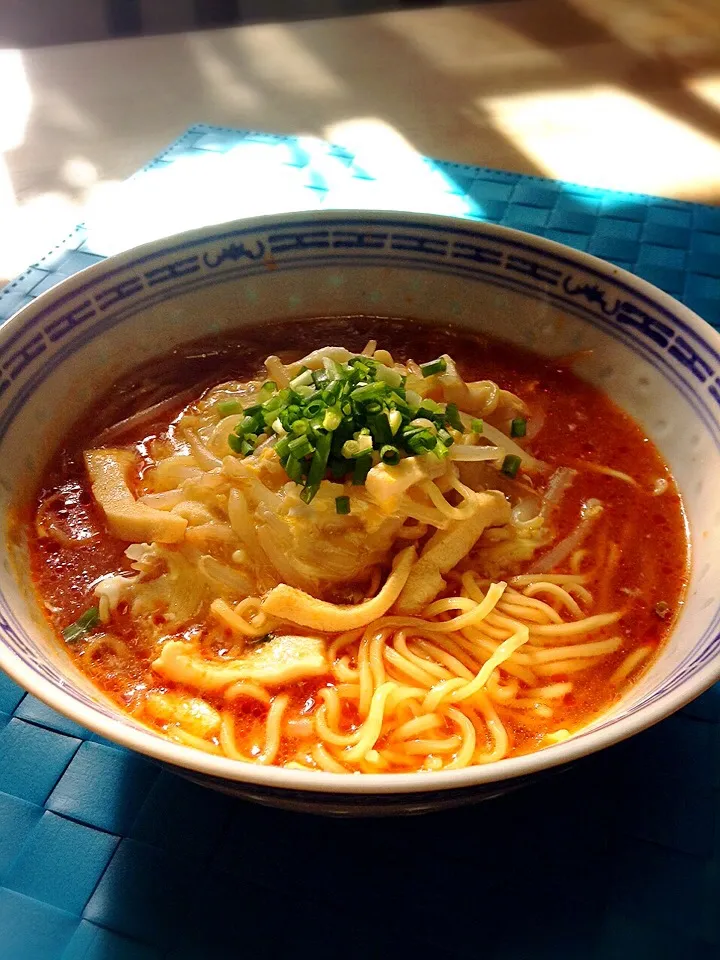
x=360 y=545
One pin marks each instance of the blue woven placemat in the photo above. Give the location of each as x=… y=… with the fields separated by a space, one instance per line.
x=106 y=856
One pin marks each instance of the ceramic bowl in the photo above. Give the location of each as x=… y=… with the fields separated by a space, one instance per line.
x=657 y=359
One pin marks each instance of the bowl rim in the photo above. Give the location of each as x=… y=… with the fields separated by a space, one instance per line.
x=151 y=744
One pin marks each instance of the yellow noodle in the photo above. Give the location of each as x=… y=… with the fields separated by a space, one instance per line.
x=331 y=736
x=344 y=672
x=370 y=729
x=524 y=579
x=424 y=663
x=454 y=667
x=480 y=612
x=430 y=488
x=458 y=689
x=501 y=692
x=375 y=657
x=630 y=663
x=494 y=726
x=592 y=648
x=587 y=625
x=410 y=669
x=526 y=703
x=273 y=729
x=429 y=721
x=564 y=666
x=243 y=688
x=224 y=612
x=400 y=696
x=423 y=747
x=367 y=684
x=344 y=640
x=331 y=699
x=227 y=738
x=553 y=691
x=556 y=591
x=469 y=740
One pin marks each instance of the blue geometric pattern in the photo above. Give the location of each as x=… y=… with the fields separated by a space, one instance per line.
x=104 y=855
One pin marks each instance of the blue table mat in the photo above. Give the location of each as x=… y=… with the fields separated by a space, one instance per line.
x=104 y=855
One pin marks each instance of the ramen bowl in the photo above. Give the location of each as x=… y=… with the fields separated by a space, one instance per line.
x=656 y=359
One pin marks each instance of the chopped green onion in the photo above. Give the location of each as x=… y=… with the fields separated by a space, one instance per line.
x=282 y=447
x=235 y=443
x=306 y=392
x=445 y=437
x=391 y=377
x=84 y=624
x=371 y=391
x=380 y=429
x=342 y=506
x=362 y=469
x=476 y=426
x=300 y=447
x=452 y=416
x=315 y=408
x=266 y=391
x=390 y=455
x=303 y=379
x=320 y=378
x=319 y=461
x=339 y=468
x=308 y=493
x=394 y=420
x=433 y=367
x=414 y=400
x=357 y=448
x=518 y=427
x=293 y=468
x=421 y=442
x=511 y=465
x=332 y=419
x=300 y=427
x=226 y=408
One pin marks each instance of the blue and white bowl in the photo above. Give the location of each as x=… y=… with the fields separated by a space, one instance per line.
x=658 y=360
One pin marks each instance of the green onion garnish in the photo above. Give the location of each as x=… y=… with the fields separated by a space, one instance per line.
x=433 y=367
x=340 y=420
x=226 y=408
x=293 y=468
x=390 y=455
x=342 y=506
x=84 y=624
x=518 y=427
x=511 y=465
x=452 y=416
x=362 y=469
x=476 y=426
x=300 y=447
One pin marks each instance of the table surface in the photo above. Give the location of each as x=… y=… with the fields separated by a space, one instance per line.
x=611 y=93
